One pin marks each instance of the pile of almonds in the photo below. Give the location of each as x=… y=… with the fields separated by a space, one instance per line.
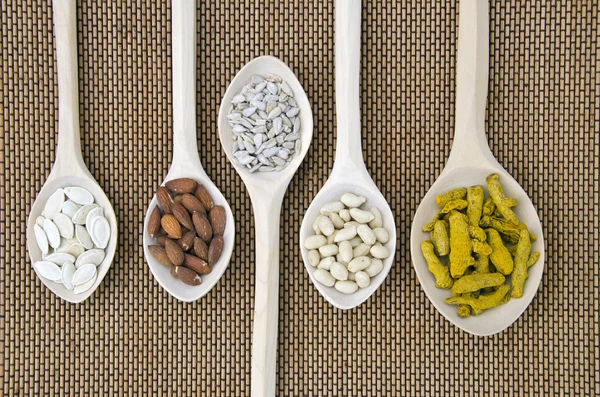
x=189 y=229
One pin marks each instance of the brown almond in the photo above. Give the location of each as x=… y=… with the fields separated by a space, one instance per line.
x=215 y=249
x=181 y=185
x=182 y=216
x=196 y=264
x=171 y=226
x=192 y=204
x=177 y=198
x=202 y=226
x=187 y=240
x=174 y=252
x=161 y=240
x=154 y=222
x=204 y=197
x=200 y=248
x=160 y=254
x=174 y=271
x=218 y=218
x=164 y=199
x=188 y=276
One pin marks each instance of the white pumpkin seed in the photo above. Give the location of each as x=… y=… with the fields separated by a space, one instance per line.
x=48 y=270
x=41 y=238
x=64 y=246
x=60 y=257
x=95 y=256
x=83 y=237
x=64 y=225
x=100 y=232
x=40 y=221
x=76 y=249
x=84 y=274
x=52 y=233
x=79 y=195
x=54 y=203
x=67 y=272
x=69 y=208
x=93 y=214
x=80 y=216
x=80 y=289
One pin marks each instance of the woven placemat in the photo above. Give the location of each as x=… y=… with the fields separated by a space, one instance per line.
x=132 y=338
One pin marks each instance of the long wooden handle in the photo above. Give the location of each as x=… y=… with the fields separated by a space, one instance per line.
x=266 y=296
x=68 y=152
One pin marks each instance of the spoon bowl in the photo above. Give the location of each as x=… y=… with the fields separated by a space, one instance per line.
x=266 y=190
x=69 y=168
x=349 y=172
x=470 y=162
x=186 y=161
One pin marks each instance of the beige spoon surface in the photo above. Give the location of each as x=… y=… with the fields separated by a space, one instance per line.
x=266 y=191
x=69 y=168
x=349 y=172
x=186 y=161
x=470 y=162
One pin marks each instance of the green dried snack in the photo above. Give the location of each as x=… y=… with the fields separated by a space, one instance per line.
x=440 y=238
x=489 y=207
x=482 y=264
x=439 y=271
x=463 y=311
x=519 y=274
x=483 y=302
x=481 y=248
x=532 y=259
x=497 y=194
x=454 y=205
x=475 y=198
x=508 y=230
x=500 y=256
x=453 y=194
x=476 y=282
x=460 y=245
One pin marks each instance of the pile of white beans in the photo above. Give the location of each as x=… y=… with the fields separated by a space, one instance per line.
x=347 y=249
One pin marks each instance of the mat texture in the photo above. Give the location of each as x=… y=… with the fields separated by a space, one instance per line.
x=132 y=338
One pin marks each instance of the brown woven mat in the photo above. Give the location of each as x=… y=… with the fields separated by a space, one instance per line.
x=132 y=338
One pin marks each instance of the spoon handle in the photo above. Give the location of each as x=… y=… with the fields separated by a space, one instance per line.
x=347 y=79
x=68 y=151
x=183 y=25
x=266 y=295
x=470 y=143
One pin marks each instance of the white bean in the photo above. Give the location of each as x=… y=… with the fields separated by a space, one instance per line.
x=335 y=206
x=366 y=234
x=375 y=268
x=314 y=242
x=346 y=251
x=352 y=200
x=315 y=225
x=326 y=226
x=381 y=234
x=313 y=257
x=351 y=276
x=346 y=233
x=351 y=223
x=339 y=271
x=379 y=251
x=362 y=249
x=356 y=241
x=346 y=287
x=326 y=263
x=338 y=222
x=324 y=277
x=362 y=279
x=329 y=250
x=361 y=216
x=377 y=219
x=345 y=215
x=331 y=239
x=359 y=263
